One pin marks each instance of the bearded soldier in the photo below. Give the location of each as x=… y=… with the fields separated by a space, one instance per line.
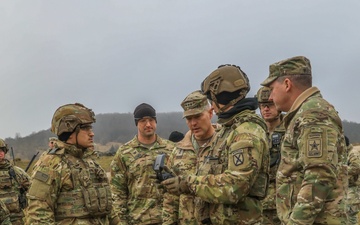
x=68 y=185
x=14 y=183
x=137 y=198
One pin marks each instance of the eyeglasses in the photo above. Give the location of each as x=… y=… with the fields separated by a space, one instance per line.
x=86 y=127
x=264 y=105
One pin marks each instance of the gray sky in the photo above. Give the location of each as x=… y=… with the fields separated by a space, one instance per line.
x=113 y=55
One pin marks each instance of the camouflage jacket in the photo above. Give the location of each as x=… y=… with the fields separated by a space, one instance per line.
x=269 y=203
x=137 y=198
x=233 y=178
x=4 y=214
x=353 y=197
x=312 y=175
x=14 y=182
x=184 y=160
x=69 y=187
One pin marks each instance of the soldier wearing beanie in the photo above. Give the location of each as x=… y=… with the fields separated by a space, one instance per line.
x=312 y=176
x=137 y=199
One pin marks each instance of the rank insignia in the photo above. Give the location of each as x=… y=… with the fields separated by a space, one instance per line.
x=314 y=148
x=238 y=158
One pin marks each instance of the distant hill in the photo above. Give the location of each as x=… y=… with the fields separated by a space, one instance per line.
x=112 y=129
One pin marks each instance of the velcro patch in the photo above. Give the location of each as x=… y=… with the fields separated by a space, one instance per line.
x=238 y=157
x=314 y=148
x=41 y=176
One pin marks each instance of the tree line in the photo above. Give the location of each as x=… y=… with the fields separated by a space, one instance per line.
x=120 y=128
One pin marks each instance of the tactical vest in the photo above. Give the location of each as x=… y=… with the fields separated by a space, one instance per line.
x=91 y=196
x=9 y=193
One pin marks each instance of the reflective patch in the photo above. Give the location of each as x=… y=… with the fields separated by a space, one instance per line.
x=314 y=149
x=238 y=157
x=41 y=176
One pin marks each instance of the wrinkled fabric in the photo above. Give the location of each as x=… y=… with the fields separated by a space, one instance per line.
x=137 y=196
x=234 y=175
x=4 y=214
x=11 y=188
x=353 y=195
x=269 y=203
x=69 y=187
x=311 y=181
x=186 y=209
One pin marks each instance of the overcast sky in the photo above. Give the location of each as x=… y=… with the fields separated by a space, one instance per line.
x=113 y=55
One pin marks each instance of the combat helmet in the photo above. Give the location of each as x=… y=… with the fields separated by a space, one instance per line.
x=227 y=82
x=263 y=95
x=3 y=146
x=67 y=117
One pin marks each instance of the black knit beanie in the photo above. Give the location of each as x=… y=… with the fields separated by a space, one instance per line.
x=176 y=136
x=142 y=111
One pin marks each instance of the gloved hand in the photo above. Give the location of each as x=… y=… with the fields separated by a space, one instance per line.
x=176 y=185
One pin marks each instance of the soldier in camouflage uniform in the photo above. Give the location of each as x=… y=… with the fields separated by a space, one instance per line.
x=312 y=176
x=276 y=130
x=137 y=198
x=234 y=175
x=353 y=195
x=184 y=160
x=69 y=186
x=14 y=183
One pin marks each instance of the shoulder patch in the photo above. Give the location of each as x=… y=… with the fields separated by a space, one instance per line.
x=41 y=176
x=314 y=147
x=238 y=157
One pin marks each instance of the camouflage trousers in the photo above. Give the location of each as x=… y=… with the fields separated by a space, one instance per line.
x=270 y=217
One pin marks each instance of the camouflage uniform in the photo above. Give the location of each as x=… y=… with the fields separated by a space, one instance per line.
x=353 y=196
x=4 y=214
x=234 y=175
x=184 y=160
x=269 y=203
x=68 y=185
x=312 y=179
x=14 y=182
x=137 y=198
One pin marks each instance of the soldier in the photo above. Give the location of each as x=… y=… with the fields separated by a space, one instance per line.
x=189 y=153
x=233 y=178
x=312 y=179
x=14 y=183
x=353 y=196
x=52 y=141
x=276 y=130
x=69 y=186
x=137 y=198
x=4 y=214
